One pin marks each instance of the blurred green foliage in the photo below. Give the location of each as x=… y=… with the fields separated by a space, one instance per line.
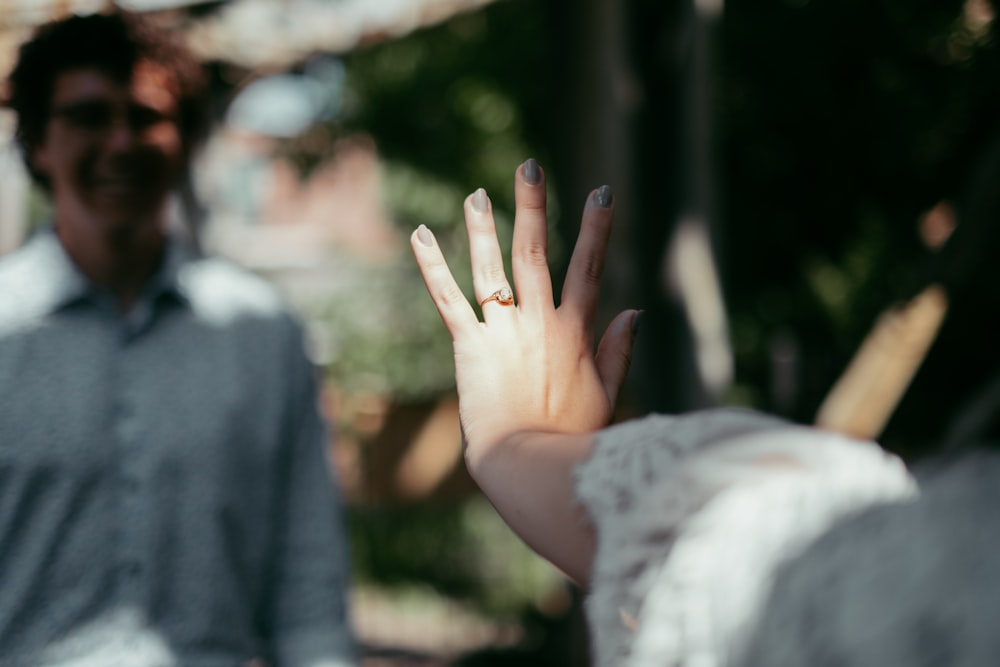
x=454 y=100
x=463 y=550
x=445 y=107
x=841 y=123
x=387 y=337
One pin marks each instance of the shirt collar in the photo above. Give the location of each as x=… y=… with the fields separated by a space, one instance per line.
x=58 y=282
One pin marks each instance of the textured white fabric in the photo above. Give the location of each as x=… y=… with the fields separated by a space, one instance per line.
x=694 y=514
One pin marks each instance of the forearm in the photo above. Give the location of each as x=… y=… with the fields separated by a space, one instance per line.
x=528 y=476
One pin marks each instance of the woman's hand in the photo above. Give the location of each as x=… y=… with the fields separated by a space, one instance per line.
x=530 y=388
x=529 y=366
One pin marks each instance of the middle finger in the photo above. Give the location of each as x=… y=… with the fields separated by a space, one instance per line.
x=529 y=255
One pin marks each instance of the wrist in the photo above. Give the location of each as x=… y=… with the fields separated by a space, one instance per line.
x=479 y=450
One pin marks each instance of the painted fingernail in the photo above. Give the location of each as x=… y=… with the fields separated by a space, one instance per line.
x=636 y=320
x=604 y=196
x=480 y=202
x=532 y=174
x=424 y=236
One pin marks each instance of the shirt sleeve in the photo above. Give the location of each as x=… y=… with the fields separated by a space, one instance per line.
x=310 y=625
x=693 y=515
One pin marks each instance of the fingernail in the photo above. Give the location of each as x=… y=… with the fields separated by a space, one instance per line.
x=480 y=202
x=636 y=319
x=424 y=236
x=604 y=196
x=532 y=174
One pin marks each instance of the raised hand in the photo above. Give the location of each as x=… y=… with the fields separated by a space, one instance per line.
x=529 y=366
x=531 y=390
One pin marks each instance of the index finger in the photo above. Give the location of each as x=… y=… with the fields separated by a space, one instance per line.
x=586 y=267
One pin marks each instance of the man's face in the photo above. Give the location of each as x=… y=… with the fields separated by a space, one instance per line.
x=111 y=151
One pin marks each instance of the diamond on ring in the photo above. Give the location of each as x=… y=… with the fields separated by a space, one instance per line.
x=504 y=296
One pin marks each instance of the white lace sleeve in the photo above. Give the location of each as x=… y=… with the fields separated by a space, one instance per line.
x=693 y=513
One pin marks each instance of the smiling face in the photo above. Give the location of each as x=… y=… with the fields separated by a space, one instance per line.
x=112 y=151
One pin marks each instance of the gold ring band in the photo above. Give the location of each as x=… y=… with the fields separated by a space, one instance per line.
x=503 y=296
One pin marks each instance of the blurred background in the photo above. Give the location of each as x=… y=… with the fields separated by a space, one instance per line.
x=807 y=198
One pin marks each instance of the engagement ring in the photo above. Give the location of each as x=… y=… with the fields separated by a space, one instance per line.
x=503 y=296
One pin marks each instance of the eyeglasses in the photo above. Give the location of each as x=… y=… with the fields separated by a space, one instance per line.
x=100 y=116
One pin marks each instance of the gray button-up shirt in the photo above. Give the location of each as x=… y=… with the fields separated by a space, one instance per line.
x=165 y=498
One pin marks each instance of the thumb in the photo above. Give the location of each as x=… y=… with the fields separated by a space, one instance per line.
x=614 y=353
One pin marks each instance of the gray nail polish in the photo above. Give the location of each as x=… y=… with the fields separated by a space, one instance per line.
x=424 y=236
x=636 y=319
x=604 y=196
x=480 y=202
x=532 y=174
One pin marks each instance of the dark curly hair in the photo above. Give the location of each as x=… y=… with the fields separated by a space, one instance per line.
x=114 y=43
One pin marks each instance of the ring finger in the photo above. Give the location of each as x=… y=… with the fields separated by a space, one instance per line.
x=488 y=275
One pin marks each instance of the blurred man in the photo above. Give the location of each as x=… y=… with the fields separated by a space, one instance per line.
x=164 y=493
